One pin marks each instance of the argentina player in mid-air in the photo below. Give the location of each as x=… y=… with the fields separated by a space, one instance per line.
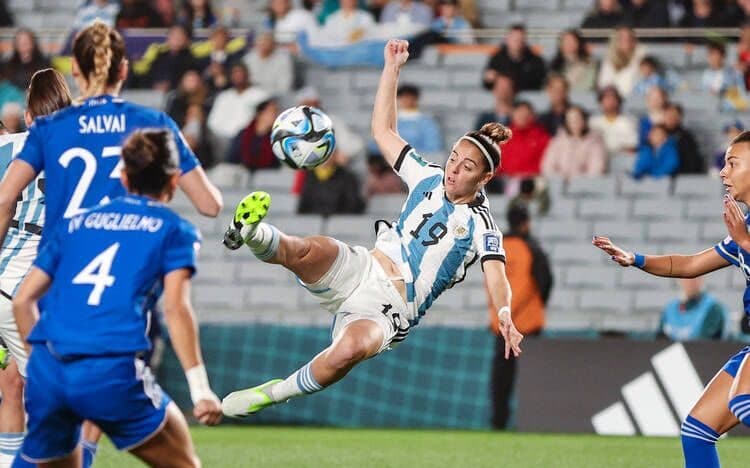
x=79 y=147
x=47 y=93
x=377 y=296
x=102 y=270
x=725 y=402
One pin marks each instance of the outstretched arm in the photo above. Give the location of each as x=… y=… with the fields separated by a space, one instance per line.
x=384 y=128
x=674 y=266
x=202 y=193
x=499 y=295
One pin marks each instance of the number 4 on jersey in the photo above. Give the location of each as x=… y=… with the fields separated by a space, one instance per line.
x=97 y=274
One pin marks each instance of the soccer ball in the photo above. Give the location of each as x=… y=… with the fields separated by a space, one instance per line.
x=302 y=137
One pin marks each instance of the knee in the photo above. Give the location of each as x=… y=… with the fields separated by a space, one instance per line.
x=12 y=387
x=346 y=353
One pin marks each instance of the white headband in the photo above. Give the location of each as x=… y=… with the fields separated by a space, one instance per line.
x=482 y=148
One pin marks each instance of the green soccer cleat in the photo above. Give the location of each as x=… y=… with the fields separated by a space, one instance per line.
x=4 y=357
x=249 y=212
x=246 y=402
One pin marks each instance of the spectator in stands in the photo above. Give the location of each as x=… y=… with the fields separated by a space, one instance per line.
x=696 y=315
x=9 y=92
x=504 y=92
x=574 y=62
x=215 y=64
x=724 y=81
x=658 y=157
x=731 y=129
x=235 y=107
x=618 y=130
x=25 y=60
x=103 y=10
x=703 y=15
x=620 y=65
x=252 y=146
x=522 y=154
x=650 y=74
x=557 y=92
x=286 y=21
x=656 y=102
x=167 y=12
x=169 y=66
x=138 y=14
x=421 y=130
x=331 y=189
x=575 y=150
x=605 y=15
x=348 y=24
x=516 y=58
x=196 y=133
x=6 y=17
x=197 y=14
x=691 y=160
x=743 y=53
x=407 y=12
x=530 y=276
x=11 y=115
x=271 y=66
x=647 y=14
x=450 y=23
x=381 y=178
x=191 y=91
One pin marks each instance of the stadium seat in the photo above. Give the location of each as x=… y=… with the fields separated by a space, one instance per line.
x=631 y=230
x=672 y=231
x=657 y=209
x=646 y=188
x=591 y=187
x=634 y=279
x=612 y=209
x=591 y=277
x=300 y=225
x=563 y=299
x=653 y=301
x=566 y=230
x=712 y=232
x=352 y=229
x=278 y=181
x=607 y=300
x=386 y=206
x=252 y=271
x=698 y=186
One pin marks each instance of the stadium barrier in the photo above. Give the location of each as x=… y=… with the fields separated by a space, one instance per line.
x=440 y=378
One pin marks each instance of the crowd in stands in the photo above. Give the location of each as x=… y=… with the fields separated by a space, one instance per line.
x=225 y=91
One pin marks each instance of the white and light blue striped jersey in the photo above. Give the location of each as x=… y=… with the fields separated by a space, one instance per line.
x=739 y=257
x=21 y=243
x=434 y=241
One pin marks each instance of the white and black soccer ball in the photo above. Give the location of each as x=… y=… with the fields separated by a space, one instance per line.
x=302 y=137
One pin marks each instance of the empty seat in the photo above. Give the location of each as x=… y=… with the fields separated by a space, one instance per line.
x=713 y=232
x=591 y=277
x=672 y=231
x=645 y=188
x=657 y=209
x=386 y=206
x=705 y=210
x=618 y=231
x=568 y=230
x=632 y=278
x=698 y=186
x=563 y=299
x=607 y=300
x=352 y=229
x=653 y=301
x=594 y=187
x=610 y=209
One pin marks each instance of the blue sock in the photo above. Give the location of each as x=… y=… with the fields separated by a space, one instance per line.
x=89 y=452
x=699 y=444
x=740 y=407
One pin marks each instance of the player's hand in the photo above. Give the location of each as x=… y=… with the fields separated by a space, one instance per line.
x=396 y=52
x=208 y=411
x=617 y=254
x=735 y=221
x=509 y=333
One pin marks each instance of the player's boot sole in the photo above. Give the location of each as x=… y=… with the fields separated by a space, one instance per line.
x=243 y=403
x=249 y=212
x=4 y=357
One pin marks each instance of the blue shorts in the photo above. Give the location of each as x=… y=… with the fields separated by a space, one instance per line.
x=118 y=393
x=733 y=365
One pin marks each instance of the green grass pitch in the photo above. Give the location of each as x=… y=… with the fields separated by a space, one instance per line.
x=283 y=447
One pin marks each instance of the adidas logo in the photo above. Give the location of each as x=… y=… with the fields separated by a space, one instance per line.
x=427 y=195
x=654 y=403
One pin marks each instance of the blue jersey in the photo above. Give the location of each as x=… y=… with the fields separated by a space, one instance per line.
x=107 y=267
x=78 y=148
x=740 y=258
x=434 y=241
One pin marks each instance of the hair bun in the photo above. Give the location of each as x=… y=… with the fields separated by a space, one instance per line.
x=497 y=132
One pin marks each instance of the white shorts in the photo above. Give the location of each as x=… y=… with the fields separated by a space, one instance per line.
x=9 y=335
x=357 y=288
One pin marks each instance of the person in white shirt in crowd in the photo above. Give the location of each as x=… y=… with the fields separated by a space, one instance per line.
x=622 y=62
x=235 y=107
x=287 y=21
x=618 y=130
x=348 y=24
x=407 y=12
x=270 y=66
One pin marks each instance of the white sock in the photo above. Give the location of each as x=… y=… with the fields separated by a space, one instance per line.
x=263 y=239
x=299 y=383
x=10 y=444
